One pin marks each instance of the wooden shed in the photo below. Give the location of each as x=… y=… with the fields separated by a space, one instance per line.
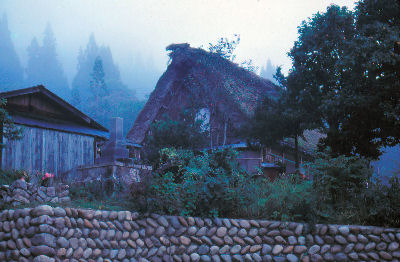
x=56 y=136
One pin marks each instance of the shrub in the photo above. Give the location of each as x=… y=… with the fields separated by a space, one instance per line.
x=287 y=198
x=383 y=203
x=7 y=177
x=204 y=184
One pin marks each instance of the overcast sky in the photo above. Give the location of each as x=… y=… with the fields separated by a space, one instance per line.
x=267 y=28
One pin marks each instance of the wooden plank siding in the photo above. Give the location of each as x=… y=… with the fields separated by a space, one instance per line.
x=47 y=150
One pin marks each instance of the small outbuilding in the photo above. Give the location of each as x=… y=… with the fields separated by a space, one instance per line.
x=56 y=136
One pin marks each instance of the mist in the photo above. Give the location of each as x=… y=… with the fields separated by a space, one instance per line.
x=137 y=32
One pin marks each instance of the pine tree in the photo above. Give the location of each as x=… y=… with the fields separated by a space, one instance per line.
x=33 y=70
x=11 y=72
x=268 y=71
x=44 y=67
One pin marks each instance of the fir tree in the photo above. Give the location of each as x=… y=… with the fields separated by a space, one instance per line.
x=11 y=72
x=44 y=66
x=268 y=71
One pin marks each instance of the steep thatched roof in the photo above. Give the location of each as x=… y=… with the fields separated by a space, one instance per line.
x=196 y=78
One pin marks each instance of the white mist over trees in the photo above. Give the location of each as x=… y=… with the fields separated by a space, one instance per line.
x=268 y=71
x=44 y=67
x=97 y=88
x=11 y=72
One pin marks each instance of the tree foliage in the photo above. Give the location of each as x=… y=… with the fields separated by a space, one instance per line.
x=99 y=77
x=205 y=184
x=8 y=129
x=11 y=72
x=44 y=66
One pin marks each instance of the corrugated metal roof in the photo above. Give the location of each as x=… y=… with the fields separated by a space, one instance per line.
x=59 y=125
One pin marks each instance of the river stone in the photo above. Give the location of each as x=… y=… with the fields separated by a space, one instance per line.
x=314 y=249
x=235 y=249
x=203 y=250
x=43 y=258
x=362 y=239
x=292 y=258
x=62 y=242
x=226 y=258
x=162 y=221
x=185 y=240
x=340 y=240
x=370 y=246
x=393 y=246
x=78 y=253
x=244 y=224
x=344 y=230
x=277 y=249
x=215 y=258
x=195 y=257
x=42 y=250
x=192 y=231
x=237 y=258
x=44 y=239
x=242 y=233
x=255 y=248
x=299 y=229
x=381 y=246
x=201 y=232
x=373 y=255
x=221 y=232
x=349 y=248
x=42 y=210
x=266 y=249
x=245 y=250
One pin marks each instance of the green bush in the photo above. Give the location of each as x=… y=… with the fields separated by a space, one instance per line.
x=204 y=184
x=339 y=185
x=287 y=198
x=383 y=203
x=7 y=177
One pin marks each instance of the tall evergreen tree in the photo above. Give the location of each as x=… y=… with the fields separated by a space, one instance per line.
x=33 y=69
x=44 y=66
x=11 y=72
x=268 y=71
x=98 y=89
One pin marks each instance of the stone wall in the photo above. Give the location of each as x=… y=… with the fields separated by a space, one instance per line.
x=67 y=234
x=21 y=192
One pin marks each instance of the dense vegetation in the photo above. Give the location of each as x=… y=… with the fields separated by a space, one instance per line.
x=344 y=81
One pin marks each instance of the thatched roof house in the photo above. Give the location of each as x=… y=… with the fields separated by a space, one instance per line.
x=204 y=81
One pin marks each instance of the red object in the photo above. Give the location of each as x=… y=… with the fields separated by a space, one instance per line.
x=47 y=175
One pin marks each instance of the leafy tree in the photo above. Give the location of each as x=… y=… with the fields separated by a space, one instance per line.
x=371 y=92
x=7 y=127
x=318 y=71
x=282 y=117
x=44 y=66
x=225 y=47
x=11 y=72
x=349 y=68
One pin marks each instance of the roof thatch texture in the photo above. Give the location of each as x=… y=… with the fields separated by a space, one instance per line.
x=198 y=79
